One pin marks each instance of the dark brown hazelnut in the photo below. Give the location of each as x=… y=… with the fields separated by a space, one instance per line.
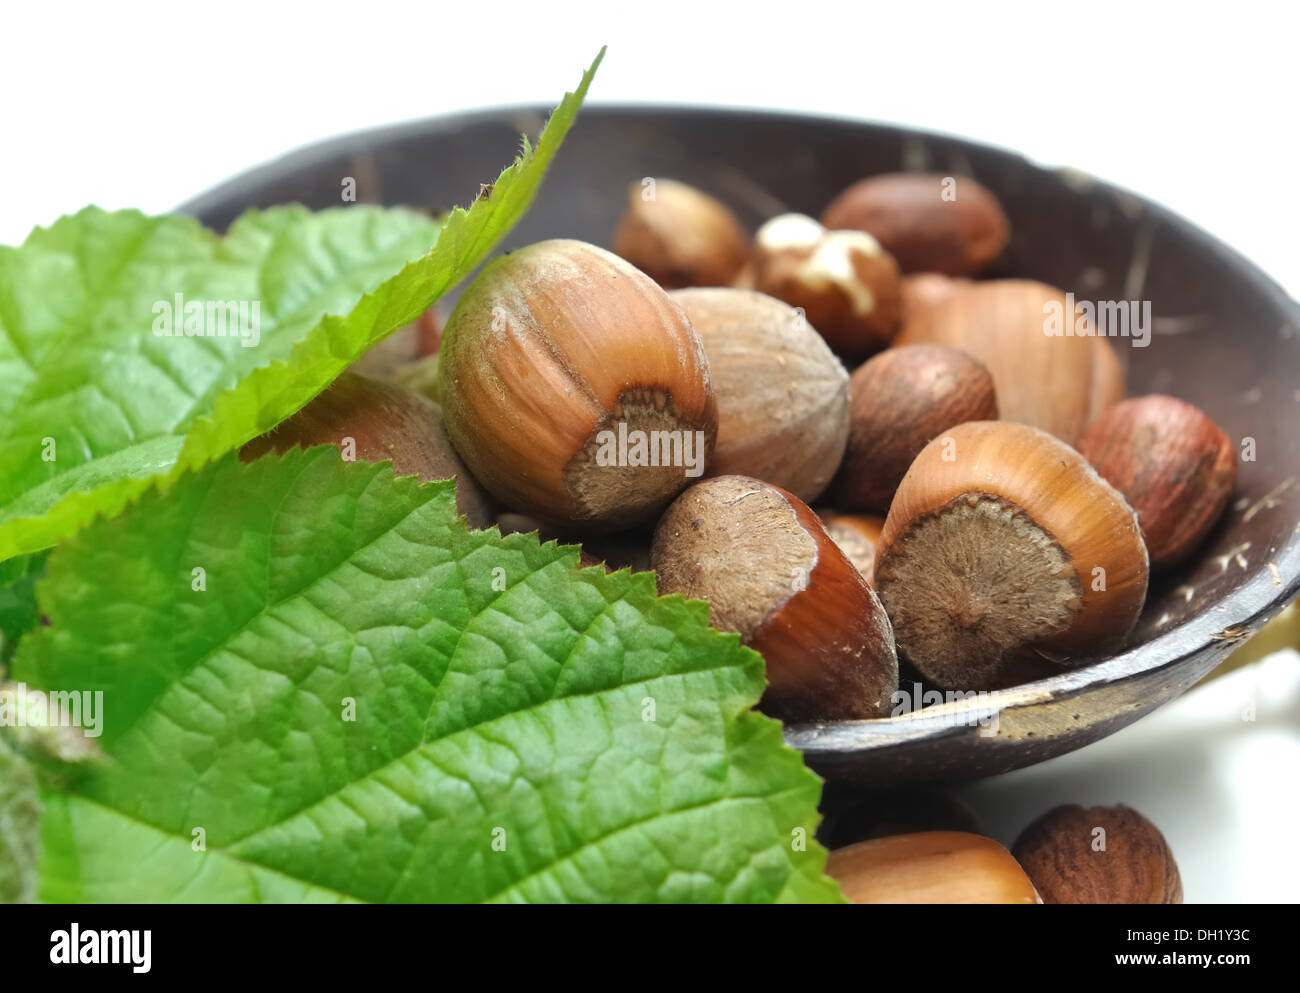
x=1173 y=465
x=899 y=401
x=927 y=222
x=1098 y=855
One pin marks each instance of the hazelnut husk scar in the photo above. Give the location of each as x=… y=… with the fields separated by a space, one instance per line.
x=558 y=352
x=770 y=573
x=1003 y=548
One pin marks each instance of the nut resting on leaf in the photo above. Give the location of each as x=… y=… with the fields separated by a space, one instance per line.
x=900 y=400
x=1059 y=383
x=1005 y=557
x=845 y=283
x=384 y=422
x=771 y=574
x=930 y=867
x=574 y=388
x=680 y=236
x=928 y=222
x=1098 y=855
x=783 y=398
x=1173 y=465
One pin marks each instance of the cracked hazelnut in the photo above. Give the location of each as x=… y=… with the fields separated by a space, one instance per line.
x=845 y=283
x=783 y=398
x=574 y=388
x=899 y=401
x=1005 y=555
x=772 y=575
x=680 y=236
x=927 y=222
x=1098 y=855
x=1173 y=465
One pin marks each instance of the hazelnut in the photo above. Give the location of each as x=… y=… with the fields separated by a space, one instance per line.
x=783 y=398
x=772 y=575
x=846 y=285
x=900 y=400
x=1098 y=855
x=1173 y=465
x=930 y=867
x=384 y=422
x=1055 y=382
x=679 y=236
x=927 y=222
x=1004 y=549
x=857 y=536
x=574 y=388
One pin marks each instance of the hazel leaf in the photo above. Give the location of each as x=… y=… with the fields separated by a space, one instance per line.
x=98 y=403
x=319 y=684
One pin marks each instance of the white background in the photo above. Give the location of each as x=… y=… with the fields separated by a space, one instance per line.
x=1193 y=105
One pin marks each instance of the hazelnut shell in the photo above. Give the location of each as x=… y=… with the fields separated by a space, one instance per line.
x=1004 y=547
x=551 y=352
x=771 y=574
x=1173 y=465
x=911 y=216
x=783 y=397
x=1098 y=855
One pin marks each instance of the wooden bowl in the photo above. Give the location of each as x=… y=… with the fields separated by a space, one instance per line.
x=1227 y=339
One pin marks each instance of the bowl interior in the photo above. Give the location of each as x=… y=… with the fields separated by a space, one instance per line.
x=1224 y=337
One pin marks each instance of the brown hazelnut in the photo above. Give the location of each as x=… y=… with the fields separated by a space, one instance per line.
x=1173 y=465
x=930 y=867
x=379 y=422
x=680 y=236
x=783 y=398
x=1004 y=552
x=1098 y=855
x=927 y=222
x=772 y=575
x=900 y=400
x=846 y=285
x=574 y=388
x=1059 y=383
x=857 y=535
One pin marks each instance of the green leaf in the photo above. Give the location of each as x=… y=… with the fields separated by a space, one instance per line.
x=20 y=820
x=96 y=405
x=359 y=698
x=18 y=613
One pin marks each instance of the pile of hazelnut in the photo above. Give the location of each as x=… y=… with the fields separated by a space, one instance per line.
x=988 y=503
